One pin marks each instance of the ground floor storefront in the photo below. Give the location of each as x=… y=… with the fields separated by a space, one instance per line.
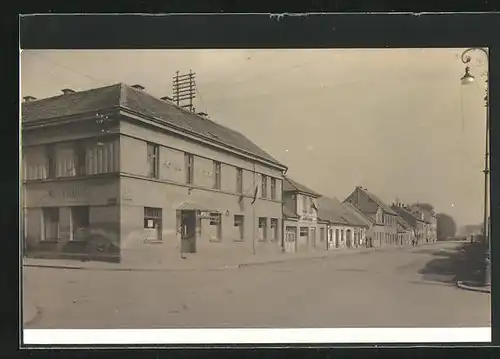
x=135 y=220
x=303 y=235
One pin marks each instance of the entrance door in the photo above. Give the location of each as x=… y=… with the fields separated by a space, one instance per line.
x=188 y=231
x=313 y=237
x=290 y=239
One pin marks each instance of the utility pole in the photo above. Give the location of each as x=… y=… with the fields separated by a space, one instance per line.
x=184 y=89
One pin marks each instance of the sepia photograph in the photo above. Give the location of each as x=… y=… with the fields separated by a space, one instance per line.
x=255 y=189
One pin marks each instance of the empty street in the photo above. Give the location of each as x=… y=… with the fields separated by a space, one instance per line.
x=409 y=287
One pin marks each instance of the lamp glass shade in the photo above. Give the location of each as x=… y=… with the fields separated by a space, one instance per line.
x=467 y=78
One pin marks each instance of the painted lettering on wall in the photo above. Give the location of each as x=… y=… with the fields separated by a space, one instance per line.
x=126 y=194
x=204 y=172
x=73 y=192
x=172 y=166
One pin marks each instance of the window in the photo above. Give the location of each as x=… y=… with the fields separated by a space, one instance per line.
x=239 y=180
x=304 y=231
x=153 y=160
x=321 y=234
x=273 y=188
x=80 y=219
x=51 y=161
x=264 y=186
x=189 y=161
x=239 y=222
x=216 y=220
x=50 y=224
x=217 y=175
x=274 y=229
x=80 y=159
x=304 y=204
x=152 y=224
x=310 y=207
x=262 y=228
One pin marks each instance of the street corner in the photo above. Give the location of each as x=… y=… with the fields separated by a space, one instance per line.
x=473 y=287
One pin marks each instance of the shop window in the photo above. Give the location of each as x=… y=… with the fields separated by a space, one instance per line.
x=152 y=224
x=216 y=220
x=239 y=222
x=304 y=232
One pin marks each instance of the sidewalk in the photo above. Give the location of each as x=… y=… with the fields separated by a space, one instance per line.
x=196 y=262
x=470 y=277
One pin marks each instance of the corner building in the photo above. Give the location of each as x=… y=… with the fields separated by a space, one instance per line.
x=118 y=172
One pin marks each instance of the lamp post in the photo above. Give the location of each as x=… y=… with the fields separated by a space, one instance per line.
x=467 y=79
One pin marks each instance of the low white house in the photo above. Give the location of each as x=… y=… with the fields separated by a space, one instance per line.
x=345 y=230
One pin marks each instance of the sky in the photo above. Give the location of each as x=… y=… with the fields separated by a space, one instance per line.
x=394 y=121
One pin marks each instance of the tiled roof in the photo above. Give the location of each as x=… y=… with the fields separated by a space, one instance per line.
x=330 y=209
x=405 y=225
x=355 y=212
x=380 y=203
x=406 y=215
x=427 y=215
x=127 y=97
x=376 y=203
x=290 y=185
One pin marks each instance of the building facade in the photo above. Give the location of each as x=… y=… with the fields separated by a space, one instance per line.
x=304 y=231
x=345 y=230
x=384 y=229
x=116 y=170
x=430 y=217
x=415 y=220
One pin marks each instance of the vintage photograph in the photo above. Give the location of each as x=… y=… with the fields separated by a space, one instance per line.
x=263 y=188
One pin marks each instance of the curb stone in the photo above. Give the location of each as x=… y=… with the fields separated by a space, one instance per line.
x=473 y=288
x=212 y=268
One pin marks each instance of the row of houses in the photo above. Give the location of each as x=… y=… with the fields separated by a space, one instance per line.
x=361 y=220
x=119 y=172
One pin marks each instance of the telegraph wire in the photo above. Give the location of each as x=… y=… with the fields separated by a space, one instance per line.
x=93 y=79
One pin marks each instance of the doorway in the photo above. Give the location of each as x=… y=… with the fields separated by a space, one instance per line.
x=290 y=239
x=188 y=231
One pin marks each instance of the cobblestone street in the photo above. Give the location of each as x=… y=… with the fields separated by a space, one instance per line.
x=411 y=287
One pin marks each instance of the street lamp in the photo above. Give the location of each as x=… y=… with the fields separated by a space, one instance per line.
x=467 y=79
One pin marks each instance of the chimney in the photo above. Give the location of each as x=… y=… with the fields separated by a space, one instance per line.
x=67 y=91
x=166 y=98
x=29 y=98
x=138 y=87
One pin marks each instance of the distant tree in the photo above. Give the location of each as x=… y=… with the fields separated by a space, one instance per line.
x=425 y=206
x=446 y=226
